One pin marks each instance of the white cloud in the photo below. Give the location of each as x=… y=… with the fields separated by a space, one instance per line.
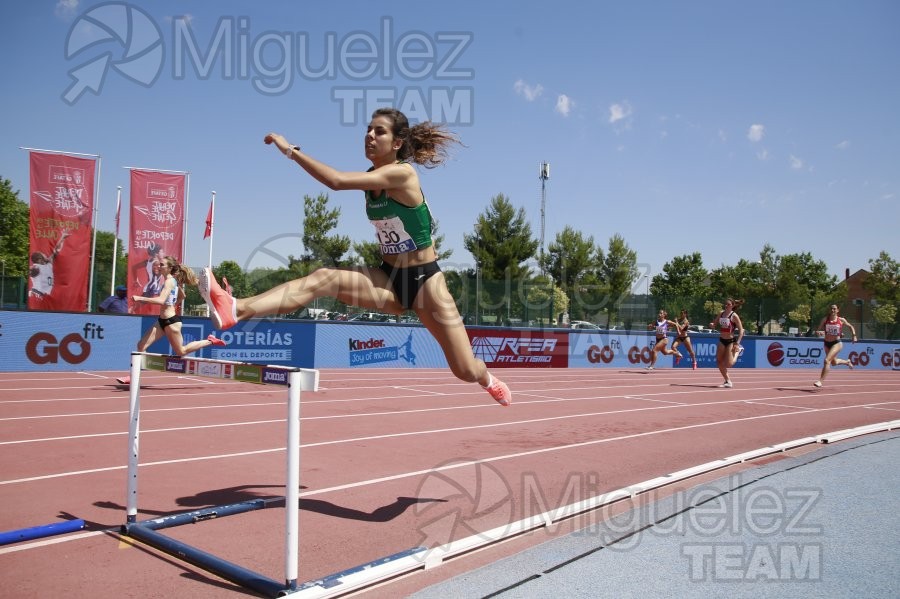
x=529 y=92
x=187 y=18
x=564 y=104
x=843 y=145
x=756 y=132
x=796 y=163
x=722 y=136
x=763 y=154
x=618 y=112
x=66 y=9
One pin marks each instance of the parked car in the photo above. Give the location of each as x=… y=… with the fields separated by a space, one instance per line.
x=696 y=328
x=583 y=324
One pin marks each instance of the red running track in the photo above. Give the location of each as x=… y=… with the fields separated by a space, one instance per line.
x=390 y=460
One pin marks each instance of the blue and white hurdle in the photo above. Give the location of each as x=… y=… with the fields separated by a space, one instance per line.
x=296 y=380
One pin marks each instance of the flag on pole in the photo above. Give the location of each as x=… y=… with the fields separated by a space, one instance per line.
x=60 y=217
x=158 y=204
x=209 y=220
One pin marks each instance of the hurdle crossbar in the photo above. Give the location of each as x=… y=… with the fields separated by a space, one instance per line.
x=147 y=531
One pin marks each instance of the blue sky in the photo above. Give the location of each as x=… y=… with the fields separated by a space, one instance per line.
x=712 y=126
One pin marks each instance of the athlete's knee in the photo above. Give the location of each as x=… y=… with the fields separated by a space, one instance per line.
x=469 y=373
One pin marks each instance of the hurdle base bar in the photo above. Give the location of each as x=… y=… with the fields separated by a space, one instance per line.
x=365 y=575
x=224 y=569
x=38 y=532
x=195 y=516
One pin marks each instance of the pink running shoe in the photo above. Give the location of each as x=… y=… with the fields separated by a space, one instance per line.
x=677 y=359
x=215 y=340
x=222 y=307
x=500 y=392
x=694 y=367
x=125 y=380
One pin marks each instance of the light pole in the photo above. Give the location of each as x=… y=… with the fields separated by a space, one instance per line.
x=477 y=271
x=545 y=175
x=3 y=285
x=759 y=322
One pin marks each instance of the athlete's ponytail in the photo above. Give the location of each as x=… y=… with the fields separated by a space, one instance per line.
x=426 y=144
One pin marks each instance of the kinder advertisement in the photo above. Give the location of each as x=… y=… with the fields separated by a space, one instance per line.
x=373 y=346
x=45 y=341
x=501 y=348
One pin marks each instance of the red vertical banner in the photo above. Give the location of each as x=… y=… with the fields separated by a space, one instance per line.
x=62 y=209
x=156 y=231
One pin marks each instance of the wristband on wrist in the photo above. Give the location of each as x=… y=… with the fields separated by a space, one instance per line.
x=289 y=152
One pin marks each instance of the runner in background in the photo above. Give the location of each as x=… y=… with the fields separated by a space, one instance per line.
x=682 y=336
x=831 y=328
x=662 y=340
x=729 y=348
x=169 y=322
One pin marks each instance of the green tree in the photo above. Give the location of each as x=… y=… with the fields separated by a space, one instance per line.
x=885 y=317
x=544 y=300
x=804 y=281
x=321 y=248
x=438 y=239
x=884 y=284
x=259 y=280
x=501 y=244
x=368 y=253
x=775 y=286
x=569 y=258
x=682 y=285
x=618 y=272
x=712 y=308
x=14 y=233
x=103 y=262
x=884 y=279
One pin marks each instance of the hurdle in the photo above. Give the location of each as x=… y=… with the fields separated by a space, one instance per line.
x=296 y=380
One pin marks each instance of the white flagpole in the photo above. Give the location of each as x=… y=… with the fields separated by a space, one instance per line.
x=112 y=277
x=96 y=204
x=184 y=225
x=212 y=227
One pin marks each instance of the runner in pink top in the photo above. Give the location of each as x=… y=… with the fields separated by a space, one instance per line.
x=832 y=328
x=729 y=348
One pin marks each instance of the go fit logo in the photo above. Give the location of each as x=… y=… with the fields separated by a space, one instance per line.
x=864 y=357
x=74 y=348
x=607 y=353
